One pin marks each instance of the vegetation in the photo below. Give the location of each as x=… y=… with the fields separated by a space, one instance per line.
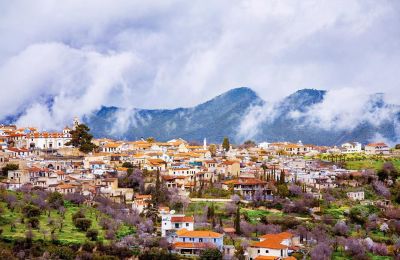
x=225 y=144
x=82 y=139
x=9 y=167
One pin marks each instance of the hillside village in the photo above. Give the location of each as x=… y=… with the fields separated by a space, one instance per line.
x=185 y=199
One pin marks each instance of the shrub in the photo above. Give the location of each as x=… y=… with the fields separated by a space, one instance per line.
x=88 y=246
x=33 y=222
x=211 y=254
x=61 y=252
x=77 y=215
x=31 y=211
x=56 y=200
x=92 y=234
x=83 y=224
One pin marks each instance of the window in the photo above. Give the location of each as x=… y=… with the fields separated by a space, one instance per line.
x=258 y=251
x=200 y=240
x=176 y=225
x=187 y=224
x=266 y=251
x=281 y=252
x=184 y=239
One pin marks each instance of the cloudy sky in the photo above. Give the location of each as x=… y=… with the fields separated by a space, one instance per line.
x=59 y=59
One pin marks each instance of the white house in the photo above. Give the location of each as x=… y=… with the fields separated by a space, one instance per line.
x=377 y=148
x=351 y=147
x=273 y=245
x=171 y=222
x=356 y=195
x=193 y=242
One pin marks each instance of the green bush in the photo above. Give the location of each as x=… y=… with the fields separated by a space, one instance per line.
x=83 y=224
x=31 y=211
x=92 y=234
x=34 y=222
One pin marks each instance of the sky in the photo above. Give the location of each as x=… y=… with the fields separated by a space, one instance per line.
x=60 y=59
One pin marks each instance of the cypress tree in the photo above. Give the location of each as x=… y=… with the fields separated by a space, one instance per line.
x=237 y=221
x=225 y=144
x=282 y=177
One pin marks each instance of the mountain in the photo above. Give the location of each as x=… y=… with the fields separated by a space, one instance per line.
x=213 y=119
x=291 y=119
x=312 y=116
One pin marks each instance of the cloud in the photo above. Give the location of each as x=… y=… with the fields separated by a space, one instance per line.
x=347 y=108
x=68 y=58
x=57 y=82
x=342 y=109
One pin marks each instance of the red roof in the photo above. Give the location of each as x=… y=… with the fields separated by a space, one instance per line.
x=182 y=219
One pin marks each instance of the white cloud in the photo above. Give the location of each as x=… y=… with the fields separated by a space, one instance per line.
x=57 y=82
x=158 y=54
x=341 y=109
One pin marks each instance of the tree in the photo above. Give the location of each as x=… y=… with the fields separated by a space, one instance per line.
x=33 y=222
x=82 y=139
x=92 y=234
x=127 y=165
x=78 y=214
x=83 y=224
x=237 y=220
x=31 y=211
x=283 y=190
x=9 y=167
x=211 y=254
x=249 y=144
x=156 y=193
x=239 y=253
x=265 y=168
x=213 y=149
x=341 y=228
x=225 y=144
x=322 y=251
x=55 y=200
x=282 y=177
x=150 y=139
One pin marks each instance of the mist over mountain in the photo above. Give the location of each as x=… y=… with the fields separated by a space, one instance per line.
x=312 y=116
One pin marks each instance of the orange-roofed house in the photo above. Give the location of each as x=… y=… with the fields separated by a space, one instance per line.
x=230 y=168
x=141 y=201
x=377 y=148
x=247 y=186
x=171 y=223
x=273 y=246
x=193 y=242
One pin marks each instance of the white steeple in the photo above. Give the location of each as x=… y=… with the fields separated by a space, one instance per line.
x=205 y=144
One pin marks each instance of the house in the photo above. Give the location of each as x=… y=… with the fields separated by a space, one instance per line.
x=64 y=188
x=356 y=195
x=154 y=164
x=246 y=187
x=141 y=202
x=171 y=222
x=273 y=246
x=230 y=168
x=17 y=152
x=193 y=242
x=377 y=148
x=351 y=147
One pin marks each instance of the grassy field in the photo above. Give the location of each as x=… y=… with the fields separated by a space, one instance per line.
x=369 y=164
x=69 y=234
x=199 y=208
x=336 y=212
x=256 y=214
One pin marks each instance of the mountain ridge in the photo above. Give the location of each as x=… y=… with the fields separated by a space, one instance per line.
x=224 y=114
